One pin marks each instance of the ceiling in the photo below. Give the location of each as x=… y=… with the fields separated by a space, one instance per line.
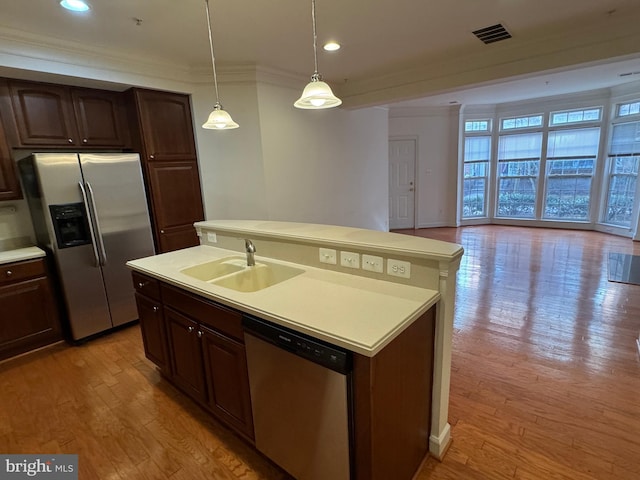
x=421 y=52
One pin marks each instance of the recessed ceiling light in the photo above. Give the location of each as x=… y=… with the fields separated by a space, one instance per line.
x=331 y=46
x=75 y=5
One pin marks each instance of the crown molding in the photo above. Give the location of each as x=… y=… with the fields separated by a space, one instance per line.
x=597 y=42
x=32 y=52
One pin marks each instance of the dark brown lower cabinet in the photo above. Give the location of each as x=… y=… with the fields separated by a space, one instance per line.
x=391 y=392
x=154 y=335
x=29 y=315
x=199 y=347
x=185 y=349
x=225 y=363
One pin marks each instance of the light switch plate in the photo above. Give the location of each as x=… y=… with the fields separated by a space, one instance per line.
x=328 y=255
x=350 y=259
x=372 y=263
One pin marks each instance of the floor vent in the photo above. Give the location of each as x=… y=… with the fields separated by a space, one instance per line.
x=491 y=34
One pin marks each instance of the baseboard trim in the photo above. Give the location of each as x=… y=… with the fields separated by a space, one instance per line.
x=439 y=445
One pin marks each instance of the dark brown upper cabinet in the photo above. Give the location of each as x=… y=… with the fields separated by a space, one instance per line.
x=101 y=117
x=56 y=115
x=9 y=184
x=166 y=125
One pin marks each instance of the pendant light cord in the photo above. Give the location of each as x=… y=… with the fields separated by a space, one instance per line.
x=213 y=60
x=315 y=37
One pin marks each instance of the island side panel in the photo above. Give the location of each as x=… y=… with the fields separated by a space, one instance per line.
x=392 y=404
x=440 y=437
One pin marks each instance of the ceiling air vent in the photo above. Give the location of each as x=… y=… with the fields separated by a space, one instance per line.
x=491 y=34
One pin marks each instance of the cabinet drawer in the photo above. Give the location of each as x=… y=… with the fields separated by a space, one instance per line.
x=145 y=285
x=222 y=319
x=11 y=272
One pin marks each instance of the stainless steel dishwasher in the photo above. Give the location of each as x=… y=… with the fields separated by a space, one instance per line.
x=301 y=401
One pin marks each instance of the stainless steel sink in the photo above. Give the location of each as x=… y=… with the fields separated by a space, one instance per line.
x=217 y=268
x=258 y=277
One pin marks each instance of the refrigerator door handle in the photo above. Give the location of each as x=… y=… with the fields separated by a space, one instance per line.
x=90 y=222
x=94 y=214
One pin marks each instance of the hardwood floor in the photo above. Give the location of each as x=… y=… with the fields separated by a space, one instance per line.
x=545 y=380
x=545 y=377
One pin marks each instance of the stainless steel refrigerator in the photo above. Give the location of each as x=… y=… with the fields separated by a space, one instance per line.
x=90 y=211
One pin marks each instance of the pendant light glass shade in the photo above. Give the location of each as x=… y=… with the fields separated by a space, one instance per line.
x=317 y=94
x=218 y=118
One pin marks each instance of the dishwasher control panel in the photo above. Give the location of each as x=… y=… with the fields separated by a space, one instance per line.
x=317 y=351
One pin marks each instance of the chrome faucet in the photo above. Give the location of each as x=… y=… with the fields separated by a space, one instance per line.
x=251 y=250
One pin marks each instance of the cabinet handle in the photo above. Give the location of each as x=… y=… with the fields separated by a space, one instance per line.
x=141 y=284
x=9 y=273
x=190 y=329
x=155 y=308
x=152 y=157
x=84 y=140
x=70 y=140
x=161 y=231
x=199 y=333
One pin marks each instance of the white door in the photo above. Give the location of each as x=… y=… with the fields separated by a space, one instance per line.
x=402 y=167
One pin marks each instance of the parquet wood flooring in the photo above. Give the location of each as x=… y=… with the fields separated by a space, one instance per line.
x=545 y=379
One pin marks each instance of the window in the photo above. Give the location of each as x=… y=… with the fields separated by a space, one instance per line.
x=571 y=161
x=477 y=126
x=521 y=122
x=477 y=153
x=575 y=116
x=623 y=160
x=626 y=109
x=518 y=168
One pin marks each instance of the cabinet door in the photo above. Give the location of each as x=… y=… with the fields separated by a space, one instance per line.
x=44 y=114
x=227 y=380
x=186 y=354
x=29 y=317
x=166 y=124
x=9 y=185
x=100 y=116
x=154 y=335
x=176 y=203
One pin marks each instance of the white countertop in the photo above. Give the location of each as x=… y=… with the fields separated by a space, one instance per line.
x=325 y=235
x=357 y=313
x=20 y=254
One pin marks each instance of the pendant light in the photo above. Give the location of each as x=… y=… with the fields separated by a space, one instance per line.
x=218 y=118
x=317 y=94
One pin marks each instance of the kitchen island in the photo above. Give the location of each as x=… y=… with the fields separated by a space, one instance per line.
x=385 y=297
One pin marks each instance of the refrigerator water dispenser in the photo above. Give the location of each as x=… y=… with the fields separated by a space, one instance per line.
x=70 y=224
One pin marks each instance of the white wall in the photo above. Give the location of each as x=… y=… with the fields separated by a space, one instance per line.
x=15 y=225
x=436 y=131
x=231 y=166
x=324 y=166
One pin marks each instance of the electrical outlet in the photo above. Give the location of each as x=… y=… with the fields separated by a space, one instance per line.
x=398 y=268
x=212 y=237
x=372 y=263
x=328 y=255
x=350 y=259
